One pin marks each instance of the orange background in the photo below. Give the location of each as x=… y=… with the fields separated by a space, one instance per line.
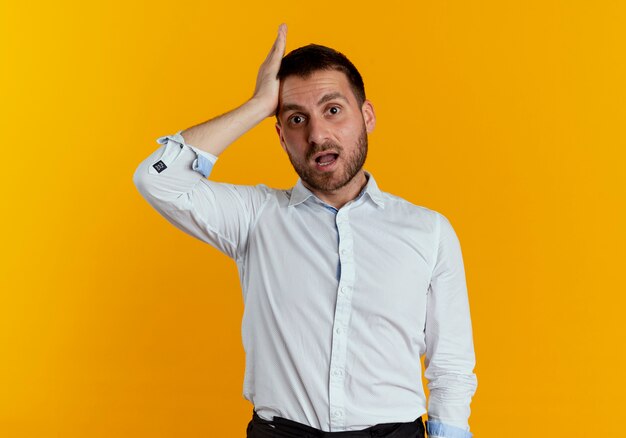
x=507 y=117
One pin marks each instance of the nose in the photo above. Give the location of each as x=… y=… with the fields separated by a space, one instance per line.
x=318 y=130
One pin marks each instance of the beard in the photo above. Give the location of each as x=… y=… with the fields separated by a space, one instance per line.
x=331 y=181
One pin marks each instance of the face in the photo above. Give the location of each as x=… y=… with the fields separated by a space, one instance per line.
x=323 y=129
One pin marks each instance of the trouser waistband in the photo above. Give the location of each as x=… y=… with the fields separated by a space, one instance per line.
x=285 y=428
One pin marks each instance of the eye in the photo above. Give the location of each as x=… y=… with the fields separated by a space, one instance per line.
x=296 y=119
x=334 y=110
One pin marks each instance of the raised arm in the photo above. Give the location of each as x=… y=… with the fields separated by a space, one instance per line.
x=173 y=178
x=215 y=135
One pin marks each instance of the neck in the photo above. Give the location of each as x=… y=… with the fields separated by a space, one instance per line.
x=340 y=197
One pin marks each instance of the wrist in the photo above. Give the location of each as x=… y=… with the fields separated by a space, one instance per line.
x=262 y=107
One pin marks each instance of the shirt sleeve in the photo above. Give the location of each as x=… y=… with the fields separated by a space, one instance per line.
x=450 y=358
x=173 y=181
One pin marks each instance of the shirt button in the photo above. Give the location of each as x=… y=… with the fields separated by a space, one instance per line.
x=337 y=373
x=338 y=330
x=344 y=289
x=337 y=413
x=344 y=251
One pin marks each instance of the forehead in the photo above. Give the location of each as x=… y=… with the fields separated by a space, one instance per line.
x=306 y=91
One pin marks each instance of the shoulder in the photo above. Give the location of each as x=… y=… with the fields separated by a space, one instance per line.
x=396 y=205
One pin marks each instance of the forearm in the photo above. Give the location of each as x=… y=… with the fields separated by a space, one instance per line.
x=450 y=358
x=449 y=402
x=173 y=178
x=215 y=135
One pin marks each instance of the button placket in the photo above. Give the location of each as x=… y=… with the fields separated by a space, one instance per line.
x=343 y=308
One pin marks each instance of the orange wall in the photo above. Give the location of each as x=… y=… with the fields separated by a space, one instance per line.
x=507 y=117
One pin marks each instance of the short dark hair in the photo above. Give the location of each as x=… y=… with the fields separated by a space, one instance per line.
x=306 y=60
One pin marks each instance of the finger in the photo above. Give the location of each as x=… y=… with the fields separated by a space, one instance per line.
x=282 y=39
x=279 y=43
x=277 y=50
x=270 y=54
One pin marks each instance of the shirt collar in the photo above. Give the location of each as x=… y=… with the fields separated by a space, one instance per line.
x=299 y=193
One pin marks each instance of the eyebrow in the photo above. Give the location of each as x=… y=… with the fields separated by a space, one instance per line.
x=325 y=98
x=331 y=96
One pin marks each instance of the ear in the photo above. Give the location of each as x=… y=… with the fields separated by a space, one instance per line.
x=280 y=136
x=369 y=116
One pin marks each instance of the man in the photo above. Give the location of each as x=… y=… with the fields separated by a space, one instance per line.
x=345 y=287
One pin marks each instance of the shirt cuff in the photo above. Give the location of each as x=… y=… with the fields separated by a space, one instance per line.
x=435 y=429
x=205 y=160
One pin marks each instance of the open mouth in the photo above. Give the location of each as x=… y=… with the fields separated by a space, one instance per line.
x=326 y=160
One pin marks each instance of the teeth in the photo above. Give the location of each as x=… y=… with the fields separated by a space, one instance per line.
x=327 y=163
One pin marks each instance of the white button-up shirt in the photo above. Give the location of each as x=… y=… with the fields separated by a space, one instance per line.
x=339 y=305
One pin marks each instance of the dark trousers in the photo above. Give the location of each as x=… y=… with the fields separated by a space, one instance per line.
x=284 y=428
